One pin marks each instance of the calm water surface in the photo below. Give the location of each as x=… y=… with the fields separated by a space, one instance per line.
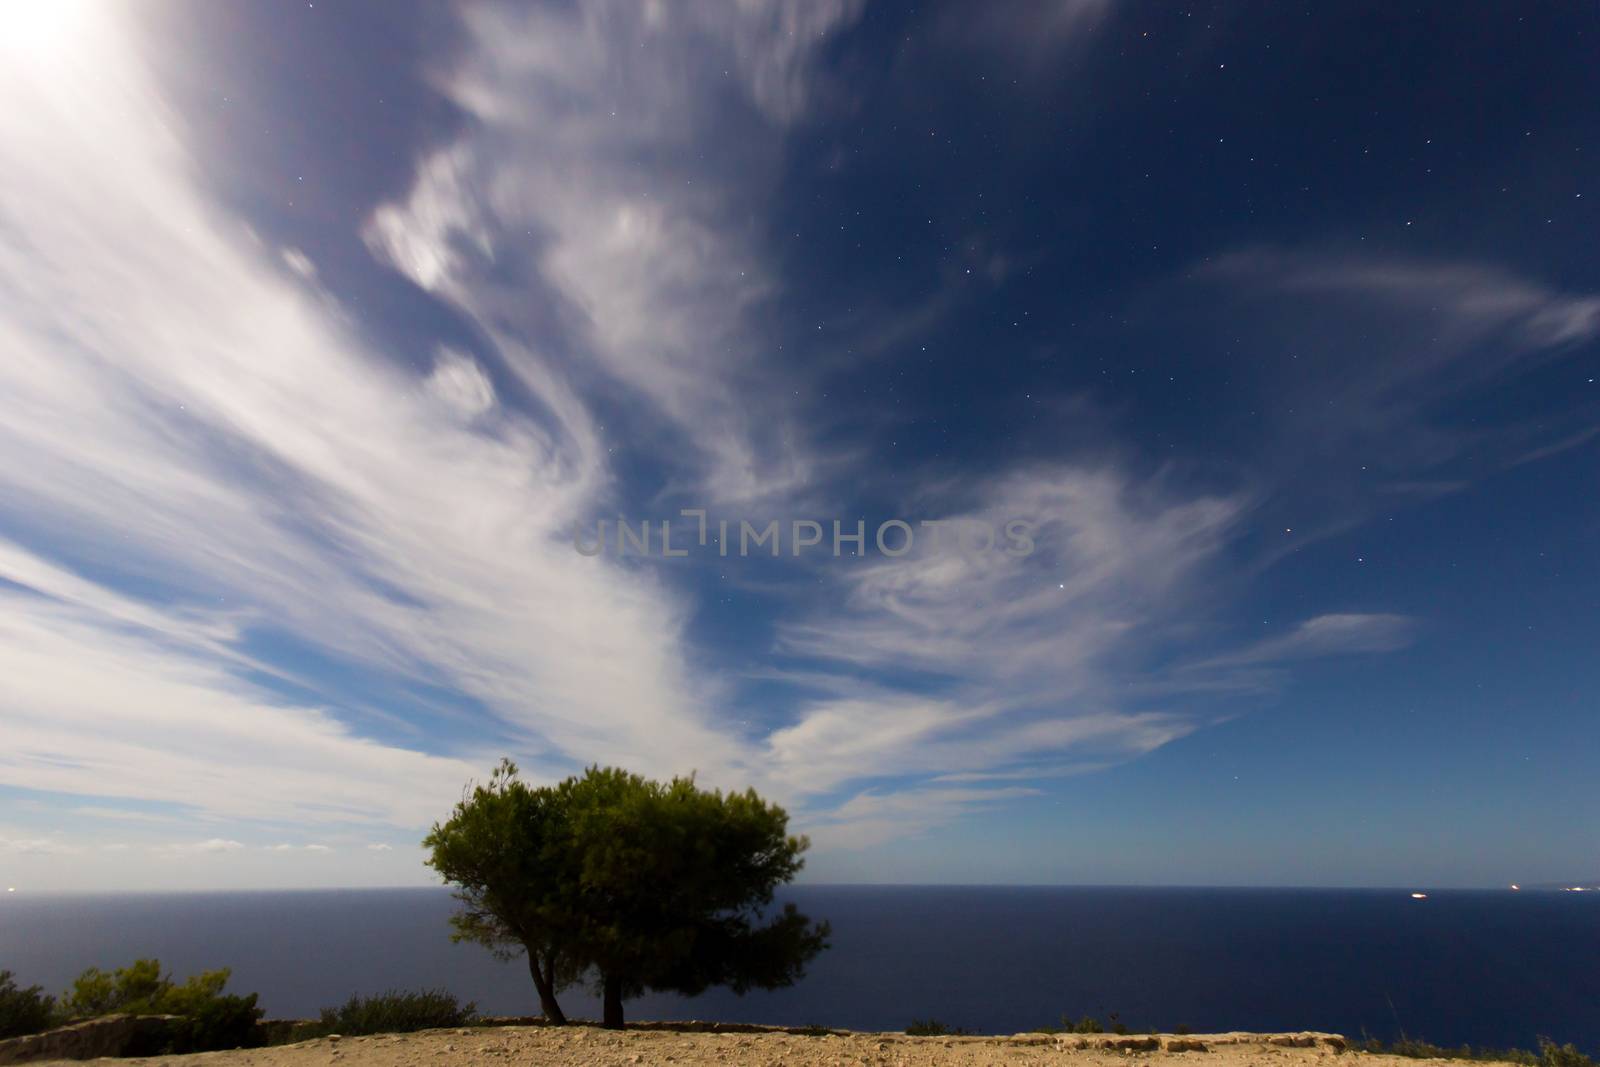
x=1494 y=968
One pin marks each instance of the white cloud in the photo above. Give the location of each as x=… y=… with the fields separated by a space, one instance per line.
x=300 y=263
x=1372 y=350
x=1339 y=634
x=184 y=413
x=1476 y=318
x=1466 y=297
x=427 y=237
x=380 y=847
x=98 y=811
x=461 y=385
x=179 y=408
x=210 y=845
x=870 y=819
x=1029 y=39
x=660 y=265
x=1022 y=649
x=98 y=709
x=35 y=846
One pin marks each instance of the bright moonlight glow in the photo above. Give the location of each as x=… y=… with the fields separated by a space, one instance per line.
x=41 y=29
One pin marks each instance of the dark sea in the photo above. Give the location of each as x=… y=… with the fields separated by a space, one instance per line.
x=1485 y=968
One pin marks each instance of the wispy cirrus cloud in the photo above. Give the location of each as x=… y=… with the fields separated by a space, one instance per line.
x=1371 y=358
x=36 y=846
x=651 y=274
x=1011 y=661
x=1029 y=38
x=1465 y=300
x=1029 y=668
x=869 y=819
x=180 y=407
x=214 y=845
x=96 y=709
x=1340 y=634
x=1373 y=346
x=210 y=459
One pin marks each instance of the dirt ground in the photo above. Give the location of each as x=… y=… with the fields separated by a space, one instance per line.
x=589 y=1046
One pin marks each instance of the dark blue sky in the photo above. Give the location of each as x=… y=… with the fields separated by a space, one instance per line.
x=1278 y=325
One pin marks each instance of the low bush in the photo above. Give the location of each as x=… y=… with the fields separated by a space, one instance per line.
x=393 y=1012
x=1087 y=1025
x=209 y=1018
x=221 y=1022
x=24 y=1011
x=1554 y=1055
x=1550 y=1054
x=934 y=1028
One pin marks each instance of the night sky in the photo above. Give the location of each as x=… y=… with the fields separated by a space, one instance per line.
x=322 y=326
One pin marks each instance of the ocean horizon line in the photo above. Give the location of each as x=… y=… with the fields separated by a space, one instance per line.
x=17 y=892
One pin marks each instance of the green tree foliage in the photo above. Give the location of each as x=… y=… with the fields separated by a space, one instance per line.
x=506 y=849
x=674 y=887
x=24 y=1011
x=636 y=884
x=209 y=1018
x=134 y=989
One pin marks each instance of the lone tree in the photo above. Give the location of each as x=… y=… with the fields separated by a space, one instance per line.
x=632 y=883
x=505 y=848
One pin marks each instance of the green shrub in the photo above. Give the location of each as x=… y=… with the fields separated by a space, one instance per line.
x=1088 y=1025
x=1413 y=1048
x=24 y=1011
x=224 y=1021
x=393 y=1012
x=134 y=988
x=1550 y=1054
x=1554 y=1055
x=209 y=1018
x=934 y=1028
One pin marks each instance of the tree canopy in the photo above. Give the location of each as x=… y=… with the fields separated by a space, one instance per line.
x=506 y=848
x=633 y=884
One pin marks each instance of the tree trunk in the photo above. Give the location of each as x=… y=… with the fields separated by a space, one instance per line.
x=612 y=1020
x=545 y=984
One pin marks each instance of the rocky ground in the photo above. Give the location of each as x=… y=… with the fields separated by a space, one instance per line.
x=590 y=1047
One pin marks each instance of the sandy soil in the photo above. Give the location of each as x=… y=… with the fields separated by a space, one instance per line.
x=588 y=1046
